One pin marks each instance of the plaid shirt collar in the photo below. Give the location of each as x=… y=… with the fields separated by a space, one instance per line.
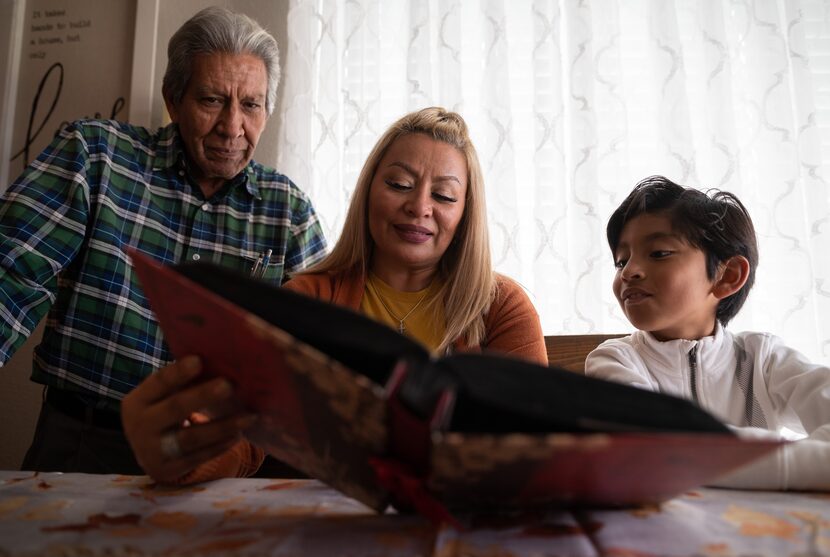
x=170 y=155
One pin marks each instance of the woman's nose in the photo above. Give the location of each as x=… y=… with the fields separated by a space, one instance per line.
x=419 y=203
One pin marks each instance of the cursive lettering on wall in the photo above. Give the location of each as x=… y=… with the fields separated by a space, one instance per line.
x=31 y=136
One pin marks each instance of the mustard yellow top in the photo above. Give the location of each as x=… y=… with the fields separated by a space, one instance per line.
x=405 y=312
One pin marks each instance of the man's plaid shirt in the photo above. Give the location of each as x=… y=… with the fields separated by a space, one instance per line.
x=102 y=186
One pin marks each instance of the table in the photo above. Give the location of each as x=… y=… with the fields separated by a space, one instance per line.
x=91 y=515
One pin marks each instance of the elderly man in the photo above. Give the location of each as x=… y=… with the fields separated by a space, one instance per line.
x=189 y=191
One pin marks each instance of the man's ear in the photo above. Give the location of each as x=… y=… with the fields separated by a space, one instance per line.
x=731 y=277
x=171 y=108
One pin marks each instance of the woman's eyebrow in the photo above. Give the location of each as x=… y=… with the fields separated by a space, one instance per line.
x=410 y=170
x=403 y=165
x=446 y=178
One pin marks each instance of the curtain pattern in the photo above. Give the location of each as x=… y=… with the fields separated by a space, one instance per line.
x=569 y=105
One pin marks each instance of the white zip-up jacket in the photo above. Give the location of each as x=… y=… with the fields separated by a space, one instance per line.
x=753 y=382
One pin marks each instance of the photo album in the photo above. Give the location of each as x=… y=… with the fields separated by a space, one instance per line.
x=374 y=415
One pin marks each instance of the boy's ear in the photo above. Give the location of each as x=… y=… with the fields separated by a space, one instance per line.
x=731 y=277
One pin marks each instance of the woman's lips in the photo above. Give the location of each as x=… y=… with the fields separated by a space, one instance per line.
x=413 y=233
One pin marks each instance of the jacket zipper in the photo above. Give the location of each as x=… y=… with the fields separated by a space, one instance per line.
x=693 y=373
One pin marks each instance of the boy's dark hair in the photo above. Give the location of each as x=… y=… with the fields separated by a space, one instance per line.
x=718 y=224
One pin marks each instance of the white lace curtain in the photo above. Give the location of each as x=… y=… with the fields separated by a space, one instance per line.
x=570 y=104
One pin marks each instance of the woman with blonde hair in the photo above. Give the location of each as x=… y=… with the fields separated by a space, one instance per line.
x=414 y=253
x=365 y=262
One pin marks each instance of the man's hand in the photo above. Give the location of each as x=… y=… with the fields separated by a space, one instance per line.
x=162 y=424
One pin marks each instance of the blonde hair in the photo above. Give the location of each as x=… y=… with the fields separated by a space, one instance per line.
x=469 y=283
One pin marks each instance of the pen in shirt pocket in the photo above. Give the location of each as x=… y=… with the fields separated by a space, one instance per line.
x=261 y=264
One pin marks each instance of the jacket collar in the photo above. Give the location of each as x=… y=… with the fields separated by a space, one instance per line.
x=671 y=354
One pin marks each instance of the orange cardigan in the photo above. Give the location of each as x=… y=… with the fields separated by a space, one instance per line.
x=512 y=326
x=512 y=323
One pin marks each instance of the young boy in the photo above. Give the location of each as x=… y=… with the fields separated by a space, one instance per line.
x=685 y=264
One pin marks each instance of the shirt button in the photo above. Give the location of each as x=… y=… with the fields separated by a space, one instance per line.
x=196 y=257
x=206 y=206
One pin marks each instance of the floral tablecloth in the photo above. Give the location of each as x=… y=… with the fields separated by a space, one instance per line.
x=89 y=515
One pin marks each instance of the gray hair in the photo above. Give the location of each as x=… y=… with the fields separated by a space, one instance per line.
x=216 y=29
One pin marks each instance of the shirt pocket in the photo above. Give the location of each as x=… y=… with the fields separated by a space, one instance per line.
x=271 y=273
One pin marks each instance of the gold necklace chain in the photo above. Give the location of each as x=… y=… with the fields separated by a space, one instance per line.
x=400 y=320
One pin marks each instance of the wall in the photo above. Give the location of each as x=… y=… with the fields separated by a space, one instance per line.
x=19 y=404
x=6 y=30
x=75 y=63
x=11 y=28
x=19 y=398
